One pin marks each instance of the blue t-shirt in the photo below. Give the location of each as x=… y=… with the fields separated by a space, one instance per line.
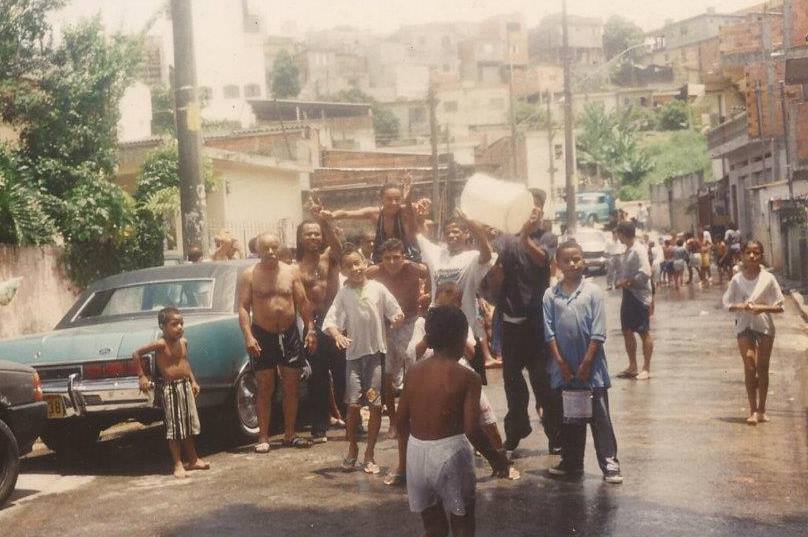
x=573 y=321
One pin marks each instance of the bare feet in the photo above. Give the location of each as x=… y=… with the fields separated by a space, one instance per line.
x=762 y=417
x=752 y=420
x=179 y=472
x=198 y=465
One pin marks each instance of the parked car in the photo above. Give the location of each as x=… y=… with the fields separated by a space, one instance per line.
x=22 y=416
x=590 y=207
x=593 y=244
x=88 y=376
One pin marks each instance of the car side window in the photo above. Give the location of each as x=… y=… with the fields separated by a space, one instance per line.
x=183 y=294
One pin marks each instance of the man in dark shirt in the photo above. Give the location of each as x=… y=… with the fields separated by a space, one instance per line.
x=523 y=268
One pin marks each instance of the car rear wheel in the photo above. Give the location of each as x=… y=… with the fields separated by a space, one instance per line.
x=9 y=462
x=243 y=401
x=72 y=437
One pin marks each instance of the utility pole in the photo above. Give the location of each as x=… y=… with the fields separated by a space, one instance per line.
x=569 y=148
x=550 y=148
x=433 y=138
x=189 y=124
x=514 y=171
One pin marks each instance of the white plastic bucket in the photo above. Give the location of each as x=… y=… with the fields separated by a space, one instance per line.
x=503 y=205
x=577 y=405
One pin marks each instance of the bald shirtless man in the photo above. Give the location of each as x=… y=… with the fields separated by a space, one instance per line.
x=273 y=293
x=438 y=415
x=318 y=249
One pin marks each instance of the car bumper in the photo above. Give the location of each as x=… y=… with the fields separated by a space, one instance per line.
x=596 y=263
x=27 y=421
x=85 y=397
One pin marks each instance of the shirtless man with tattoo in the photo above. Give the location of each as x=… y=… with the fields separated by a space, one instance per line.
x=271 y=293
x=318 y=250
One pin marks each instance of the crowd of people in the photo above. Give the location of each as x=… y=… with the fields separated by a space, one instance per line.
x=397 y=315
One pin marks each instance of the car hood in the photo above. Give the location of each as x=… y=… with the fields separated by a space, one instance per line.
x=592 y=246
x=86 y=343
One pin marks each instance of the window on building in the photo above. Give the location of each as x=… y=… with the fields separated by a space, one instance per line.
x=450 y=106
x=231 y=92
x=252 y=90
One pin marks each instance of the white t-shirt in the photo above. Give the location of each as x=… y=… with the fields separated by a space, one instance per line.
x=464 y=269
x=762 y=290
x=706 y=236
x=361 y=312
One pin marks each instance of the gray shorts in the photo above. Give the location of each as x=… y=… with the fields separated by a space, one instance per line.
x=363 y=380
x=396 y=362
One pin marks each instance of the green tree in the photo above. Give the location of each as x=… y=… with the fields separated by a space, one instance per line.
x=529 y=114
x=285 y=77
x=597 y=139
x=23 y=37
x=385 y=123
x=162 y=101
x=24 y=218
x=674 y=116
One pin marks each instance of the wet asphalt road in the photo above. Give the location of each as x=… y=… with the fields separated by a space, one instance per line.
x=691 y=464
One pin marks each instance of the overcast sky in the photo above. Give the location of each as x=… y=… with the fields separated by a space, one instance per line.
x=386 y=15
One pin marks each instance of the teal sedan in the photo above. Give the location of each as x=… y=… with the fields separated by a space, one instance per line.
x=89 y=380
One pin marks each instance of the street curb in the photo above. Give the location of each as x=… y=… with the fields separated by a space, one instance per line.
x=801 y=304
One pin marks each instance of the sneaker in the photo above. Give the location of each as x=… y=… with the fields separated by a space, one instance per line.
x=613 y=477
x=319 y=439
x=555 y=450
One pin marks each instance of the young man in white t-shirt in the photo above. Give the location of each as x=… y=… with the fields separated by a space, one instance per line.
x=361 y=309
x=453 y=262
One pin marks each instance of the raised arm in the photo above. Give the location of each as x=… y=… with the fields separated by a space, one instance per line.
x=330 y=238
x=137 y=356
x=244 y=309
x=365 y=213
x=481 y=237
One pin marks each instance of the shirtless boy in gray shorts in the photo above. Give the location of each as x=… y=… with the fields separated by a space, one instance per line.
x=438 y=415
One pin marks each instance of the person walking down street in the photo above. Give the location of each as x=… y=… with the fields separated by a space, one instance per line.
x=523 y=268
x=270 y=295
x=575 y=329
x=753 y=295
x=361 y=310
x=680 y=258
x=614 y=251
x=635 y=309
x=438 y=423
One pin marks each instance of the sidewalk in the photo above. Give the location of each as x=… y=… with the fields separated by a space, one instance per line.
x=798 y=292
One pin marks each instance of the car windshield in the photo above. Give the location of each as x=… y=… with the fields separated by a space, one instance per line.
x=148 y=297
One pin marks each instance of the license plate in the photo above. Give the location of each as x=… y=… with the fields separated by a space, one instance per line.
x=56 y=406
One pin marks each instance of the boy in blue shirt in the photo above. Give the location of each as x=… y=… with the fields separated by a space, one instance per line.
x=575 y=329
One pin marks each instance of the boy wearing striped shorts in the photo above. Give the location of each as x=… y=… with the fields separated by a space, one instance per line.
x=179 y=390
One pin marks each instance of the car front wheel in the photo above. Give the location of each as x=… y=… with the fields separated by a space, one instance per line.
x=246 y=419
x=9 y=462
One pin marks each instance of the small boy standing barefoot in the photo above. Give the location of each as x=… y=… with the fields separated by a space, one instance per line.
x=575 y=329
x=179 y=389
x=361 y=309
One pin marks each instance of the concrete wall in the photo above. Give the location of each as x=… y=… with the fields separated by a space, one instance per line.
x=45 y=293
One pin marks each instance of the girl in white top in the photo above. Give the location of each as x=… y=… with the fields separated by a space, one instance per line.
x=753 y=295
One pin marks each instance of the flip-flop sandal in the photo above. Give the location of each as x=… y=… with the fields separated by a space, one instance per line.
x=297 y=442
x=627 y=374
x=370 y=467
x=263 y=447
x=348 y=464
x=394 y=479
